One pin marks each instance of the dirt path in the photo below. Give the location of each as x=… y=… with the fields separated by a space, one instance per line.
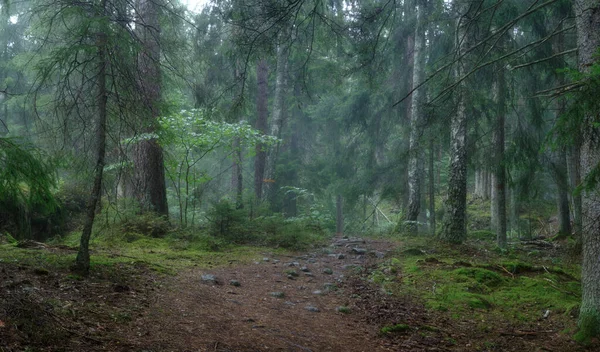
x=272 y=309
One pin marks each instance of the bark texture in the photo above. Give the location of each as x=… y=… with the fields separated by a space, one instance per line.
x=148 y=160
x=432 y=219
x=415 y=162
x=278 y=117
x=587 y=15
x=237 y=177
x=574 y=160
x=454 y=225
x=262 y=74
x=499 y=171
x=82 y=261
x=558 y=166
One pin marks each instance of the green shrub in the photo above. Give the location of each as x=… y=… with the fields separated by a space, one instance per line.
x=228 y=223
x=148 y=224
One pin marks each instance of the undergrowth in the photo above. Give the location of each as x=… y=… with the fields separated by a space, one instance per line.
x=474 y=280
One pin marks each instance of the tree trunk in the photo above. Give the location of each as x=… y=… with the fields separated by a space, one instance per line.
x=415 y=162
x=558 y=169
x=573 y=163
x=431 y=187
x=339 y=216
x=499 y=172
x=454 y=226
x=237 y=177
x=148 y=161
x=82 y=262
x=279 y=115
x=587 y=15
x=262 y=74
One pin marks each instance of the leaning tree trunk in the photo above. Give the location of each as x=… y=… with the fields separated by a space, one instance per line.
x=499 y=171
x=415 y=161
x=262 y=74
x=454 y=224
x=587 y=15
x=82 y=262
x=148 y=161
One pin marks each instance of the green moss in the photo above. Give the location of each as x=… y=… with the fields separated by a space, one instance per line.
x=397 y=328
x=589 y=326
x=482 y=276
x=517 y=267
x=482 y=235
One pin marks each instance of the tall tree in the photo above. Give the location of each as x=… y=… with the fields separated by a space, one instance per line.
x=499 y=166
x=415 y=160
x=149 y=172
x=262 y=76
x=454 y=223
x=279 y=114
x=82 y=262
x=587 y=15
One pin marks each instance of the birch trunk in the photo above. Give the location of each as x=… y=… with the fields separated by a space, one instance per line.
x=454 y=225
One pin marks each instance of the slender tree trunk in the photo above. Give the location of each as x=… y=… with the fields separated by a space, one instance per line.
x=514 y=211
x=415 y=162
x=237 y=177
x=148 y=160
x=558 y=166
x=339 y=216
x=499 y=171
x=82 y=262
x=587 y=17
x=454 y=226
x=487 y=184
x=574 y=181
x=431 y=187
x=279 y=115
x=262 y=74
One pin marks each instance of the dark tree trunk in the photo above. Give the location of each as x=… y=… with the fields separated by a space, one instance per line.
x=237 y=177
x=558 y=168
x=587 y=17
x=339 y=216
x=574 y=181
x=432 y=219
x=148 y=161
x=82 y=262
x=499 y=170
x=278 y=119
x=415 y=161
x=262 y=74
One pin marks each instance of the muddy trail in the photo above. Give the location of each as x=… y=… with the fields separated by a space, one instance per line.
x=310 y=302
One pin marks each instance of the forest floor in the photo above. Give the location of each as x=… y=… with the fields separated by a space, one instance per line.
x=323 y=300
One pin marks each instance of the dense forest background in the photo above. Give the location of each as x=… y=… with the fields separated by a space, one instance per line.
x=280 y=122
